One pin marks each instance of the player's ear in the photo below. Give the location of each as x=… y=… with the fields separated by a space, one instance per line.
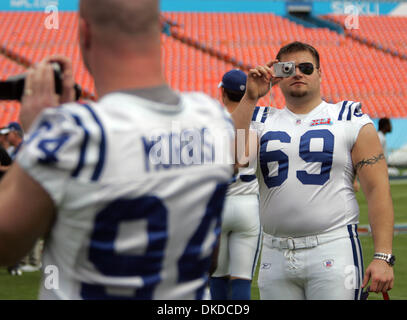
x=84 y=34
x=223 y=93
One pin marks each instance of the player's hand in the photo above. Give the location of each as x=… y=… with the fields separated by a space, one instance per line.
x=39 y=89
x=381 y=275
x=68 y=82
x=259 y=80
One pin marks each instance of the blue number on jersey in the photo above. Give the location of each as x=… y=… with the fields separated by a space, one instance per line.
x=277 y=155
x=102 y=252
x=192 y=265
x=50 y=147
x=108 y=262
x=325 y=157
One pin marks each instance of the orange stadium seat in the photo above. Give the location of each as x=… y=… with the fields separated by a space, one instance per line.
x=351 y=69
x=385 y=32
x=26 y=35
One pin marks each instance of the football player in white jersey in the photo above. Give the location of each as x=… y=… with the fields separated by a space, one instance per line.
x=241 y=235
x=129 y=190
x=308 y=154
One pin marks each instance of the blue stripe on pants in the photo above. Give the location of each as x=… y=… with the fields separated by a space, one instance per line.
x=357 y=257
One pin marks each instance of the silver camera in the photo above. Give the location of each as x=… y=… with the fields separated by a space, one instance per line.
x=284 y=69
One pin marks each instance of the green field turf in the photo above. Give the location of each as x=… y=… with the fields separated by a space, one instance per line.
x=26 y=286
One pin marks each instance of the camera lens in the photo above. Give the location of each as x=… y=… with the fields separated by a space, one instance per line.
x=287 y=68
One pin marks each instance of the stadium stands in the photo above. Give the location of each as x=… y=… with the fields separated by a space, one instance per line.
x=216 y=42
x=350 y=69
x=25 y=34
x=386 y=33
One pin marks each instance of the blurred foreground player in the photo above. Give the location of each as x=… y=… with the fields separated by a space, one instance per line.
x=241 y=234
x=129 y=196
x=308 y=155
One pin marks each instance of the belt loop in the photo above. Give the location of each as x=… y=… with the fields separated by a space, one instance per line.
x=291 y=243
x=274 y=242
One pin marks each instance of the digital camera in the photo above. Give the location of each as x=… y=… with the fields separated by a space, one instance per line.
x=13 y=87
x=284 y=69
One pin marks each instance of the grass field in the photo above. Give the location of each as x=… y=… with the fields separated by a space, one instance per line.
x=26 y=286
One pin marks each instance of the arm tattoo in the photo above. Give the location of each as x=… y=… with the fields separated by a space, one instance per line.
x=369 y=162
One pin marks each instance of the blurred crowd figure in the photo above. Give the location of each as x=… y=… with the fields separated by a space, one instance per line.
x=11 y=140
x=385 y=127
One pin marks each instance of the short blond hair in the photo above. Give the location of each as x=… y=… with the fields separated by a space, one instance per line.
x=122 y=17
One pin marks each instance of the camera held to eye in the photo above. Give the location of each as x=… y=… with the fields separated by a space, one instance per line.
x=284 y=69
x=13 y=87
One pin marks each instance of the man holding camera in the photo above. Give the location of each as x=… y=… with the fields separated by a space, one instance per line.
x=308 y=154
x=140 y=229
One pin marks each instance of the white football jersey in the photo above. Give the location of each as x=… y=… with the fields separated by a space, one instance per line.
x=244 y=183
x=137 y=193
x=305 y=169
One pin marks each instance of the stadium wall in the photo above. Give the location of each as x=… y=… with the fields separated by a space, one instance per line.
x=275 y=6
x=279 y=7
x=38 y=5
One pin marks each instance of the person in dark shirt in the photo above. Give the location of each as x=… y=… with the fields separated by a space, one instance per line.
x=5 y=161
x=11 y=138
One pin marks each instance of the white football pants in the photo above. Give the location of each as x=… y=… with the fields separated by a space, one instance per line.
x=328 y=266
x=240 y=237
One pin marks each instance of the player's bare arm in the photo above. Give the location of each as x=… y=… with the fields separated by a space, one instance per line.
x=22 y=219
x=30 y=217
x=371 y=167
x=258 y=85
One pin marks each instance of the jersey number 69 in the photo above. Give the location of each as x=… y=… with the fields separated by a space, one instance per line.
x=324 y=157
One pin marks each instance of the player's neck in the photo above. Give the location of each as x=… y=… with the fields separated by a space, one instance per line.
x=231 y=106
x=127 y=72
x=301 y=106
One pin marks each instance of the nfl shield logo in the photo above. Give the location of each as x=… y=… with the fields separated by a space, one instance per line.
x=298 y=121
x=328 y=263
